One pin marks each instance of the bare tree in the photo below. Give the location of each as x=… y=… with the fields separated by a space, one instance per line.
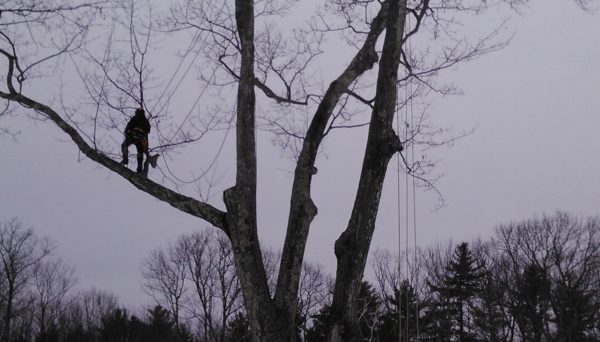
x=550 y=269
x=492 y=317
x=91 y=306
x=211 y=286
x=165 y=272
x=215 y=288
x=20 y=252
x=315 y=292
x=52 y=281
x=243 y=52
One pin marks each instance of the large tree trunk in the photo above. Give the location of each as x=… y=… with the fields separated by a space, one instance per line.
x=352 y=247
x=8 y=312
x=302 y=208
x=266 y=322
x=274 y=319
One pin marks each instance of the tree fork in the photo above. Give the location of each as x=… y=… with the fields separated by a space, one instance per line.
x=266 y=321
x=302 y=207
x=352 y=247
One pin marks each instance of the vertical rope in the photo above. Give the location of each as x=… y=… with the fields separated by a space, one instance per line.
x=410 y=271
x=408 y=124
x=398 y=210
x=410 y=107
x=409 y=158
x=414 y=203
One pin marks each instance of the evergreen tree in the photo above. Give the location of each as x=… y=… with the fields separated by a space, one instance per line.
x=119 y=327
x=161 y=327
x=531 y=302
x=115 y=327
x=455 y=293
x=490 y=316
x=238 y=329
x=320 y=326
x=137 y=330
x=77 y=333
x=50 y=334
x=368 y=309
x=368 y=305
x=574 y=310
x=436 y=323
x=388 y=321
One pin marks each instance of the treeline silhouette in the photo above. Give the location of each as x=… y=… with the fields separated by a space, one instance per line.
x=534 y=280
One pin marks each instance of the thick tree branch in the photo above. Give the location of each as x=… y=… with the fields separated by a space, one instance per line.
x=186 y=204
x=352 y=247
x=241 y=198
x=271 y=94
x=265 y=89
x=302 y=208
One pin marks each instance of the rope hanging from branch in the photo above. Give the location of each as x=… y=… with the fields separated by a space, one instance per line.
x=409 y=200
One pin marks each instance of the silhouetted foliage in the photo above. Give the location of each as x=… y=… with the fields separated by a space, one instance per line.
x=531 y=302
x=238 y=329
x=491 y=317
x=410 y=319
x=534 y=281
x=456 y=291
x=320 y=327
x=369 y=304
x=116 y=327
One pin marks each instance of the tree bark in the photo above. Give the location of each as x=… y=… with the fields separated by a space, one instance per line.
x=8 y=313
x=352 y=247
x=302 y=208
x=266 y=324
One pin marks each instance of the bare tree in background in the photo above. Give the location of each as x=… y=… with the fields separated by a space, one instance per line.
x=243 y=52
x=52 y=282
x=551 y=271
x=165 y=272
x=315 y=293
x=214 y=286
x=198 y=272
x=20 y=253
x=92 y=306
x=491 y=314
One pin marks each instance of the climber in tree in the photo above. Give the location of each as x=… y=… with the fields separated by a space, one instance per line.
x=136 y=133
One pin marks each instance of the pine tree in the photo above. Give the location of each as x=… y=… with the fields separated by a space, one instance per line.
x=388 y=321
x=531 y=302
x=115 y=327
x=162 y=327
x=320 y=325
x=238 y=329
x=368 y=308
x=455 y=293
x=491 y=316
x=574 y=310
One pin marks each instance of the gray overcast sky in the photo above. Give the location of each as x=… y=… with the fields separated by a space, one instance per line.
x=535 y=106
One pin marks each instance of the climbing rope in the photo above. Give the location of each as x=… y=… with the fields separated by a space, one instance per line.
x=398 y=210
x=195 y=39
x=409 y=198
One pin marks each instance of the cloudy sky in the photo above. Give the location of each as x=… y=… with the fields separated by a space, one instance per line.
x=534 y=107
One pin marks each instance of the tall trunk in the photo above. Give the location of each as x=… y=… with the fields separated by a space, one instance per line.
x=274 y=319
x=8 y=312
x=302 y=208
x=42 y=319
x=352 y=247
x=266 y=324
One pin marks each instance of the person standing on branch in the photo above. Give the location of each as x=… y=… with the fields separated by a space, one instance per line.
x=136 y=132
